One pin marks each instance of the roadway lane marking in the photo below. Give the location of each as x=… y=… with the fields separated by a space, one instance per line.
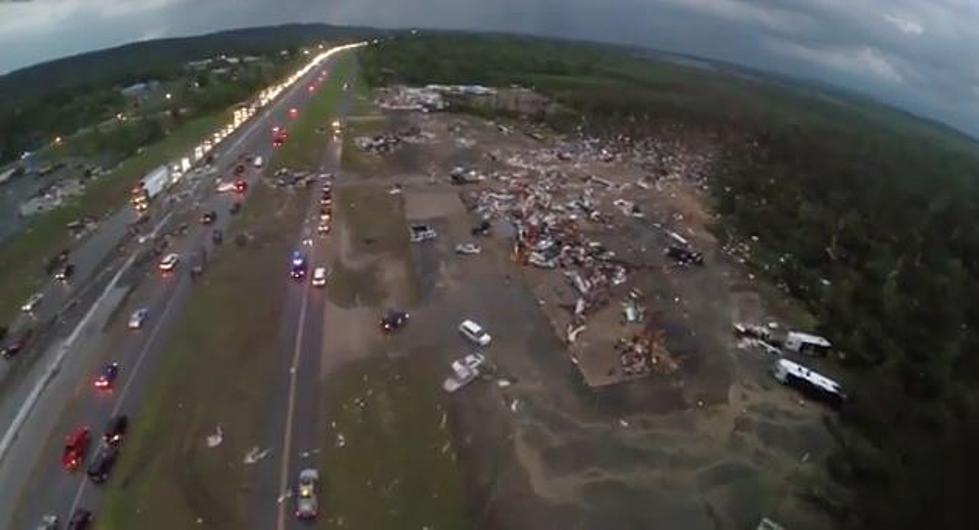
x=290 y=408
x=125 y=388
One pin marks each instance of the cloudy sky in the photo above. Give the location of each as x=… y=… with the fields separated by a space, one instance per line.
x=917 y=54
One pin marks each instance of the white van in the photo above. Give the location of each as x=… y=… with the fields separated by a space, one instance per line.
x=475 y=333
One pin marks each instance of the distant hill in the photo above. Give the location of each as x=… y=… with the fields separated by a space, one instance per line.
x=132 y=62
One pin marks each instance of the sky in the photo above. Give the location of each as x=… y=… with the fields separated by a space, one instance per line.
x=919 y=55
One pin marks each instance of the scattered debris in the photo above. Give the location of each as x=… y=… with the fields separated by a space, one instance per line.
x=422 y=232
x=214 y=440
x=254 y=455
x=468 y=248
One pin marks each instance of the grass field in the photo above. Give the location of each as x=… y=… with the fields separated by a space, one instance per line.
x=22 y=257
x=167 y=477
x=303 y=150
x=388 y=451
x=377 y=231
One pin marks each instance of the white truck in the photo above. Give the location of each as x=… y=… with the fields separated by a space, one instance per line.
x=149 y=187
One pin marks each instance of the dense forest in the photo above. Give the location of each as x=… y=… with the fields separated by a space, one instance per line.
x=67 y=94
x=863 y=213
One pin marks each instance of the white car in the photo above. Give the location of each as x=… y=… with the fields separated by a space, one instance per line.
x=475 y=333
x=257 y=161
x=307 y=504
x=323 y=228
x=31 y=304
x=138 y=317
x=319 y=277
x=169 y=262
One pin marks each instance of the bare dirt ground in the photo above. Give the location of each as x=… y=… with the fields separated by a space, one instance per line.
x=713 y=442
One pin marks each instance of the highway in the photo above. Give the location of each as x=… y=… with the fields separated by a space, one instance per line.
x=297 y=388
x=113 y=281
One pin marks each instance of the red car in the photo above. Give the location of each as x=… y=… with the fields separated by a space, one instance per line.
x=293 y=113
x=241 y=186
x=75 y=447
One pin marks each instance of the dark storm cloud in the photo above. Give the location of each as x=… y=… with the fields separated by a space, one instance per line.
x=913 y=53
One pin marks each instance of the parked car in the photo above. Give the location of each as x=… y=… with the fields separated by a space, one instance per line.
x=475 y=333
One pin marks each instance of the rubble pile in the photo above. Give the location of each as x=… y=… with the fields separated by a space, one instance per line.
x=644 y=352
x=389 y=142
x=430 y=98
x=553 y=215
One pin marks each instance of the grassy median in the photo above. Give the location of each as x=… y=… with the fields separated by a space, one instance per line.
x=304 y=148
x=221 y=350
x=387 y=449
x=22 y=257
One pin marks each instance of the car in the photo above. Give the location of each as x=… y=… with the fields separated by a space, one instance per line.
x=325 y=214
x=65 y=273
x=31 y=304
x=105 y=458
x=138 y=317
x=169 y=262
x=393 y=320
x=241 y=186
x=17 y=344
x=475 y=333
x=115 y=429
x=239 y=169
x=307 y=503
x=107 y=379
x=80 y=520
x=326 y=201
x=293 y=113
x=235 y=208
x=76 y=445
x=279 y=137
x=209 y=217
x=323 y=228
x=217 y=236
x=319 y=277
x=257 y=162
x=48 y=522
x=297 y=265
